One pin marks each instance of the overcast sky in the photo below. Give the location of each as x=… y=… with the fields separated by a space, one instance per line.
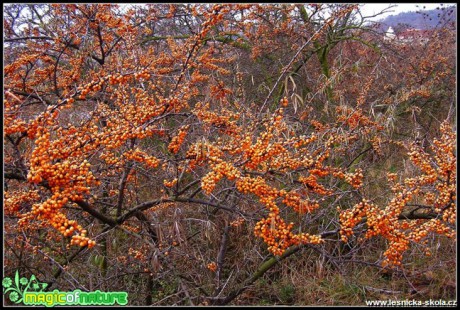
x=373 y=8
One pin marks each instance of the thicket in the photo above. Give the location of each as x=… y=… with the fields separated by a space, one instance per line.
x=228 y=154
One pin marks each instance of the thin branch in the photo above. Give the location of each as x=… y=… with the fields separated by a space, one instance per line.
x=28 y=38
x=220 y=257
x=289 y=65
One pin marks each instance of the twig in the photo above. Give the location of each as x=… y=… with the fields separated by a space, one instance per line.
x=289 y=65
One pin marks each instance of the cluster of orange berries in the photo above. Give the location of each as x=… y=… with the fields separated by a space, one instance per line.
x=14 y=200
x=162 y=206
x=422 y=92
x=225 y=121
x=82 y=240
x=213 y=17
x=284 y=102
x=376 y=144
x=131 y=227
x=355 y=179
x=68 y=227
x=219 y=170
x=117 y=78
x=212 y=266
x=392 y=177
x=197 y=77
x=302 y=140
x=170 y=183
x=256 y=186
x=261 y=153
x=318 y=125
x=143 y=74
x=199 y=152
x=450 y=211
x=350 y=218
x=393 y=255
x=279 y=236
x=275 y=233
x=110 y=158
x=12 y=123
x=421 y=159
x=91 y=86
x=107 y=17
x=265 y=149
x=446 y=144
x=300 y=205
x=142 y=157
x=177 y=141
x=321 y=172
x=209 y=181
x=136 y=254
x=219 y=91
x=355 y=118
x=364 y=91
x=311 y=182
x=226 y=169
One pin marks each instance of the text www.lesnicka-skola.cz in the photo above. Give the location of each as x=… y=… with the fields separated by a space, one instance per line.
x=413 y=302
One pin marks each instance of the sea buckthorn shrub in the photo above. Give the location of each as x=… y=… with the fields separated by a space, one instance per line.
x=196 y=142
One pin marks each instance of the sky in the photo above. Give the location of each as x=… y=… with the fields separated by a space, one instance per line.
x=373 y=8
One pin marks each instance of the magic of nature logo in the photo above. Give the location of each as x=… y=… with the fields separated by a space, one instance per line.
x=32 y=292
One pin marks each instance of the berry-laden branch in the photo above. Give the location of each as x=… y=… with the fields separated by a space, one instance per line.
x=435 y=185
